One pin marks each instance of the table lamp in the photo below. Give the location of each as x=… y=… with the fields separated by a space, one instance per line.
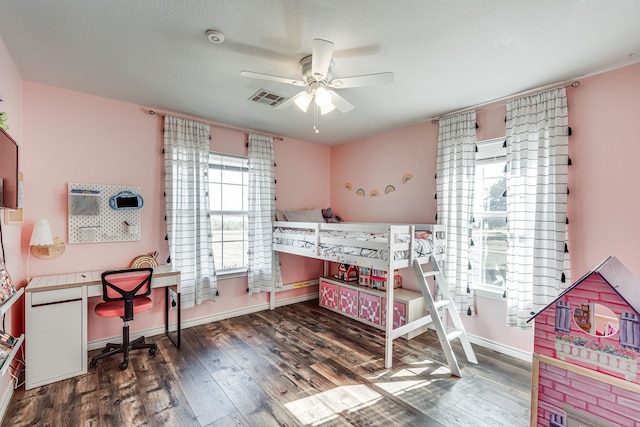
x=42 y=243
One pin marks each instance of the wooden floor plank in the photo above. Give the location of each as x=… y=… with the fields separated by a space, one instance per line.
x=298 y=365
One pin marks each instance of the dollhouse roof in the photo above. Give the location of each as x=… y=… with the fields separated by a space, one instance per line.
x=616 y=275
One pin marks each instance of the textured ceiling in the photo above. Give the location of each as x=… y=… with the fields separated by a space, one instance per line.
x=446 y=55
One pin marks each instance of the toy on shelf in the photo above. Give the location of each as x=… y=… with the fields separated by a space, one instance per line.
x=377 y=279
x=348 y=273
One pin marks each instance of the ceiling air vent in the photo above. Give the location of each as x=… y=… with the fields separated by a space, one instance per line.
x=267 y=98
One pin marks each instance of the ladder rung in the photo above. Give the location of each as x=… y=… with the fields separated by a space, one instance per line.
x=429 y=273
x=441 y=303
x=453 y=335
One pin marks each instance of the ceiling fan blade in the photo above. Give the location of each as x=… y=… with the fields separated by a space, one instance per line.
x=302 y=99
x=341 y=104
x=269 y=77
x=321 y=58
x=364 y=80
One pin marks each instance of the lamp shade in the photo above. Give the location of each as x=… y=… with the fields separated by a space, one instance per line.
x=41 y=235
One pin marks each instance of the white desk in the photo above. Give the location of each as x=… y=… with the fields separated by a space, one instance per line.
x=56 y=321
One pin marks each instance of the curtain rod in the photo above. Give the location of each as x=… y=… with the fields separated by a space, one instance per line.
x=246 y=132
x=498 y=101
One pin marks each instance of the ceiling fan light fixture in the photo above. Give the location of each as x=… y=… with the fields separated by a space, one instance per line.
x=326 y=109
x=323 y=97
x=303 y=100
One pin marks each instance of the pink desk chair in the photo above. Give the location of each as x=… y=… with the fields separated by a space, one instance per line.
x=125 y=292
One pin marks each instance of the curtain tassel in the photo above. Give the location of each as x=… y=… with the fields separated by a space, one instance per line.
x=504 y=294
x=569 y=132
x=563 y=279
x=504 y=144
x=566 y=248
x=569 y=161
x=217 y=293
x=469 y=312
x=469 y=267
x=468 y=289
x=436 y=217
x=169 y=259
x=435 y=196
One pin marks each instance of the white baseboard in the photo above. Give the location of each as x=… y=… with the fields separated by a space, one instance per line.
x=525 y=356
x=94 y=345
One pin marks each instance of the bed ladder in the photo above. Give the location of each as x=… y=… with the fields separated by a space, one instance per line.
x=438 y=316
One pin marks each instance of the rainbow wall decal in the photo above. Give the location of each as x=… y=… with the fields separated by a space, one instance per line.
x=374 y=193
x=360 y=192
x=406 y=178
x=389 y=189
x=348 y=186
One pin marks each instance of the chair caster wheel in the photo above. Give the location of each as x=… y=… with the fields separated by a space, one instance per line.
x=93 y=364
x=123 y=365
x=152 y=351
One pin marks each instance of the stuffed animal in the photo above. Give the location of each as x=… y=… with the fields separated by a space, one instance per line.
x=3 y=121
x=328 y=216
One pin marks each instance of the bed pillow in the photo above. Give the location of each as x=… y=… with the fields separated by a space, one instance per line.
x=311 y=215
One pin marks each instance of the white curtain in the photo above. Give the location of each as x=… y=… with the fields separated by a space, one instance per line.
x=537 y=157
x=264 y=263
x=455 y=170
x=186 y=163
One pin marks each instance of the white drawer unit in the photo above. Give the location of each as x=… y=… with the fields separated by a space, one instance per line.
x=56 y=330
x=370 y=304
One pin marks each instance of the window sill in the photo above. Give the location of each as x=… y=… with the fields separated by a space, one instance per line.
x=232 y=274
x=490 y=292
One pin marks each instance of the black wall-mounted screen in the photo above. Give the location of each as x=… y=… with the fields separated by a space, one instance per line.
x=8 y=171
x=127 y=202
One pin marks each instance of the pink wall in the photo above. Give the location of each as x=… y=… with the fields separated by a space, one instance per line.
x=603 y=206
x=81 y=138
x=382 y=160
x=604 y=115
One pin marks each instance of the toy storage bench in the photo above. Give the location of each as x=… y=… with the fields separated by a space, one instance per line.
x=369 y=305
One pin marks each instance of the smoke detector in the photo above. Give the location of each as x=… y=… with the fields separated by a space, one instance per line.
x=215 y=36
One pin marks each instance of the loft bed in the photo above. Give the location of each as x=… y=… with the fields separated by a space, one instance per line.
x=366 y=245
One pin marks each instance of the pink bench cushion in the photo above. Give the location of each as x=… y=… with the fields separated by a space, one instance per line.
x=116 y=308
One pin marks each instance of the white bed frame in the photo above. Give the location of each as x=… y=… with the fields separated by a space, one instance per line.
x=317 y=238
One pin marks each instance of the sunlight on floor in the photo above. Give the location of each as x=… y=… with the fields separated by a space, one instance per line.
x=325 y=406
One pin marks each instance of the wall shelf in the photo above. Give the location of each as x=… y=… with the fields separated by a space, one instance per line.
x=7 y=362
x=4 y=308
x=14 y=298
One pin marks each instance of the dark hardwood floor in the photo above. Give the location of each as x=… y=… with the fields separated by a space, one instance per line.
x=296 y=365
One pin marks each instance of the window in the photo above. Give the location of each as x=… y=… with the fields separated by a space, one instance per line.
x=228 y=197
x=489 y=229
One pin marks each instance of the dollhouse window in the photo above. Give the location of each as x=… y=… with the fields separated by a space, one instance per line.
x=630 y=331
x=563 y=316
x=557 y=420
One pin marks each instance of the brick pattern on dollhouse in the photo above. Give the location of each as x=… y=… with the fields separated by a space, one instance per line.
x=593 y=325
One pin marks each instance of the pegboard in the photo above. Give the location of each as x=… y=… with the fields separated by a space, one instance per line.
x=92 y=220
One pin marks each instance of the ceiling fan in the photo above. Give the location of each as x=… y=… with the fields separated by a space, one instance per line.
x=317 y=73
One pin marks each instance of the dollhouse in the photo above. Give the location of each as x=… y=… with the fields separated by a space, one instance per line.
x=587 y=351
